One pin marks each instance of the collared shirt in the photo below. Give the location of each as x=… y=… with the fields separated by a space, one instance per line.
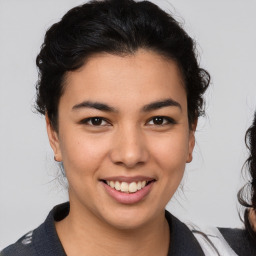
x=44 y=241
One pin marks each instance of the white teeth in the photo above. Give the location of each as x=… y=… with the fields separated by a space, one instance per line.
x=117 y=186
x=124 y=187
x=133 y=187
x=127 y=187
x=111 y=184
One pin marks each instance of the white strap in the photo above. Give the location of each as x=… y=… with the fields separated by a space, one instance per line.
x=211 y=241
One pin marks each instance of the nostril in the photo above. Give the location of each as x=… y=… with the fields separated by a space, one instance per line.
x=129 y=164
x=128 y=154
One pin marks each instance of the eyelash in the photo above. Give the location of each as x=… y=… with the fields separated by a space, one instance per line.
x=166 y=121
x=96 y=118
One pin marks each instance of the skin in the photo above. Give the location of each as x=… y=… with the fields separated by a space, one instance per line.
x=128 y=142
x=252 y=218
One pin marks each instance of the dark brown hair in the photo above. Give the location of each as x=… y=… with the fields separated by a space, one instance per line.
x=118 y=27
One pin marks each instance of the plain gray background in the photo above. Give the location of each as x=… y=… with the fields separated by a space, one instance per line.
x=225 y=32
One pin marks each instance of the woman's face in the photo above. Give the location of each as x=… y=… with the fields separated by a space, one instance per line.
x=123 y=137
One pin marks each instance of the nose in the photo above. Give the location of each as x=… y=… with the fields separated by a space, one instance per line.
x=129 y=148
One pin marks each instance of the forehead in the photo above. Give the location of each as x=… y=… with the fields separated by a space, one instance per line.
x=141 y=77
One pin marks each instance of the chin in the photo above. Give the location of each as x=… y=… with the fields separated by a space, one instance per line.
x=130 y=218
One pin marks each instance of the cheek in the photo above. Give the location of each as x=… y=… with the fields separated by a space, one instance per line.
x=82 y=154
x=171 y=152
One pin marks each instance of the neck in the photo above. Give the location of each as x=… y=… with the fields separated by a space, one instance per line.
x=82 y=233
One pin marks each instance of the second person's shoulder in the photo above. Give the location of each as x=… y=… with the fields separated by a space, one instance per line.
x=240 y=241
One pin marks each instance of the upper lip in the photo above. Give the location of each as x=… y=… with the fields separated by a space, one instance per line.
x=128 y=179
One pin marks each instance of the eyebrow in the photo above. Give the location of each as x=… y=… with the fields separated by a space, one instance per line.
x=147 y=108
x=95 y=105
x=161 y=104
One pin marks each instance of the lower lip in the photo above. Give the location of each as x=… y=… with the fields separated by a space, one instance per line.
x=128 y=198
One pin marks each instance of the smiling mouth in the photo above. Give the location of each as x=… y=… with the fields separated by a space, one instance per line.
x=126 y=187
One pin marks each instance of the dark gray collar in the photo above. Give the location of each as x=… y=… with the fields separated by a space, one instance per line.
x=45 y=238
x=46 y=241
x=182 y=241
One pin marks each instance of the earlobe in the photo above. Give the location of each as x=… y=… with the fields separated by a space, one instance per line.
x=53 y=139
x=191 y=146
x=191 y=142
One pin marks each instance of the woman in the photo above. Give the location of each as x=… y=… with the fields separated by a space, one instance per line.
x=121 y=91
x=249 y=199
x=243 y=242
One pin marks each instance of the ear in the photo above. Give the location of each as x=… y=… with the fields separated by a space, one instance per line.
x=53 y=139
x=191 y=143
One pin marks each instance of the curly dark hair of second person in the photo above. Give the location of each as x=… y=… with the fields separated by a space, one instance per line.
x=247 y=195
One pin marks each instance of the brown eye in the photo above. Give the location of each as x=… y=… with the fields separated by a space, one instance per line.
x=158 y=120
x=96 y=121
x=161 y=120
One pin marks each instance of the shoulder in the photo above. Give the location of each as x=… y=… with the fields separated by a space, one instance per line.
x=182 y=240
x=43 y=240
x=240 y=241
x=23 y=246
